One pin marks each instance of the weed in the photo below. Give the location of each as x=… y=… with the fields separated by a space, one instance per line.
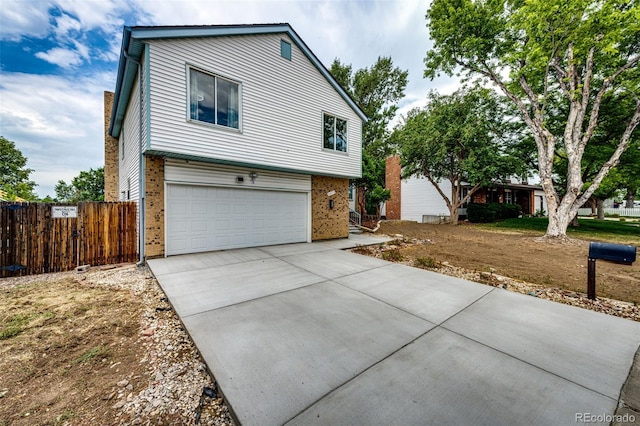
x=392 y=255
x=91 y=354
x=397 y=242
x=361 y=249
x=15 y=326
x=548 y=280
x=426 y=263
x=62 y=418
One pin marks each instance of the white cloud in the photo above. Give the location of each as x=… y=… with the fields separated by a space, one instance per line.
x=57 y=123
x=65 y=58
x=19 y=18
x=66 y=24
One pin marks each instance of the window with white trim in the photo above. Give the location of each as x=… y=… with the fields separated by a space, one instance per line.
x=334 y=133
x=214 y=99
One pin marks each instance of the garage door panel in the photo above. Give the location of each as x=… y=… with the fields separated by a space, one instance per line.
x=201 y=218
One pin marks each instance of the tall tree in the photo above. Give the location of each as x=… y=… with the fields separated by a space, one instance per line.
x=459 y=138
x=87 y=186
x=543 y=54
x=14 y=174
x=376 y=90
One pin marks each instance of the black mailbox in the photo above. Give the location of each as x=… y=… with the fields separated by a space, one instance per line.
x=618 y=253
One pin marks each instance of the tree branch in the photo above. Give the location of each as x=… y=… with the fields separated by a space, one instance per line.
x=470 y=193
x=593 y=118
x=562 y=75
x=444 y=197
x=614 y=159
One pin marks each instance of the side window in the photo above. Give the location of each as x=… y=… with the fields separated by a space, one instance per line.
x=213 y=99
x=334 y=133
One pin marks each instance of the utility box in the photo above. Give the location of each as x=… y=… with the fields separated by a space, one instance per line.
x=618 y=253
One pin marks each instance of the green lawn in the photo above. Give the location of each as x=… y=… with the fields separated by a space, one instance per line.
x=590 y=229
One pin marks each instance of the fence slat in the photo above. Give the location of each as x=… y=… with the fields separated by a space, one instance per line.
x=622 y=211
x=103 y=233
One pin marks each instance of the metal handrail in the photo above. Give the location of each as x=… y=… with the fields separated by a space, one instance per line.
x=355 y=217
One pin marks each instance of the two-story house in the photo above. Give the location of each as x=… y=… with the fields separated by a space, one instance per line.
x=229 y=137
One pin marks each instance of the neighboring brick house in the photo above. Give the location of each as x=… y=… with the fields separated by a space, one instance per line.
x=416 y=199
x=228 y=137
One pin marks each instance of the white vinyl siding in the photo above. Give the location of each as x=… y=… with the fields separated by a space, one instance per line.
x=419 y=197
x=282 y=105
x=129 y=166
x=177 y=171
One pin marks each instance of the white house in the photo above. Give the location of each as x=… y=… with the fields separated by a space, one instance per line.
x=416 y=199
x=227 y=137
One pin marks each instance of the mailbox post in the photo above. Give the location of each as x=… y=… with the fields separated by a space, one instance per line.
x=617 y=253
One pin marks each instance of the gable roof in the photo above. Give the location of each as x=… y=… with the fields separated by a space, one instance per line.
x=133 y=39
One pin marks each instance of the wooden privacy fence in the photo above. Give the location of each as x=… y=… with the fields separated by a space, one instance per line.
x=34 y=240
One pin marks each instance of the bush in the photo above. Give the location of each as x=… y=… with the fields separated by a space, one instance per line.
x=491 y=212
x=393 y=255
x=426 y=263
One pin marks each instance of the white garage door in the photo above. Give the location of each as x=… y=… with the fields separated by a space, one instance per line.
x=204 y=218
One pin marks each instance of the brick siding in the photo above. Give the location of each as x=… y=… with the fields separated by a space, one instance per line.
x=154 y=212
x=327 y=223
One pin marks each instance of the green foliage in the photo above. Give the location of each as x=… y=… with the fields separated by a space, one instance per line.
x=393 y=255
x=566 y=65
x=92 y=353
x=14 y=175
x=604 y=230
x=87 y=186
x=426 y=263
x=491 y=212
x=459 y=137
x=376 y=90
x=375 y=197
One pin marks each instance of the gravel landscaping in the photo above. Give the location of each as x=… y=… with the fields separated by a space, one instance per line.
x=166 y=381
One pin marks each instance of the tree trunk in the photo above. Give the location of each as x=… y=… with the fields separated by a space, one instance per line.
x=574 y=222
x=362 y=200
x=558 y=224
x=629 y=198
x=594 y=206
x=453 y=213
x=600 y=208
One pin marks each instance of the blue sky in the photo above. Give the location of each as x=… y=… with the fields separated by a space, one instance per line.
x=59 y=56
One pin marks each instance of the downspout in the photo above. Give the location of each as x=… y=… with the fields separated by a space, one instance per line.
x=141 y=174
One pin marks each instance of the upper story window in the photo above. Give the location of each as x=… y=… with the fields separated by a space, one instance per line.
x=213 y=99
x=335 y=133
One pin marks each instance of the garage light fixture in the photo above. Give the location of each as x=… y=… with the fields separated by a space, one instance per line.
x=253 y=176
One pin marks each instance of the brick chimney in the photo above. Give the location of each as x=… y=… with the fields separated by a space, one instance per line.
x=393 y=172
x=111 y=161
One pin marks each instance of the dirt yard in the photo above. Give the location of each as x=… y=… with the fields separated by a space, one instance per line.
x=98 y=348
x=517 y=255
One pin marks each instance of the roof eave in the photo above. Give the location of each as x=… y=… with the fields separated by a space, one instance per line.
x=135 y=35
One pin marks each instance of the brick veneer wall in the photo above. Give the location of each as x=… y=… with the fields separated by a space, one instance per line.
x=393 y=172
x=110 y=153
x=154 y=212
x=329 y=223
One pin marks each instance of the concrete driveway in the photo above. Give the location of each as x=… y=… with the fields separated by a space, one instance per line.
x=308 y=334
